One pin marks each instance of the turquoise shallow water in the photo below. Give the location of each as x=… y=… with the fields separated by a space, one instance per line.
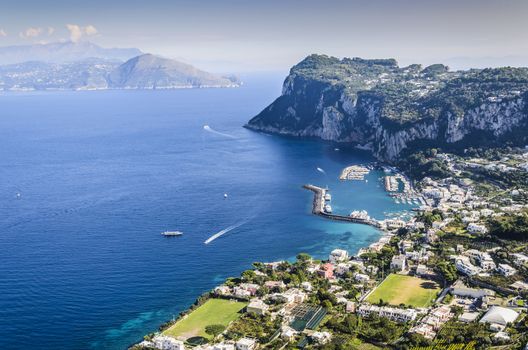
x=101 y=174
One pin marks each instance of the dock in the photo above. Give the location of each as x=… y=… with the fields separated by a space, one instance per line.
x=318 y=209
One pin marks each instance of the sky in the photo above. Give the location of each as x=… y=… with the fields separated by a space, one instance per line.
x=275 y=34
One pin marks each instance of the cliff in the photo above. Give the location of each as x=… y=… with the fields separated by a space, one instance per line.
x=388 y=109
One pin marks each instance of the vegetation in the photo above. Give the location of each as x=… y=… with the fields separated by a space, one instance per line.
x=370 y=329
x=253 y=326
x=513 y=226
x=215 y=329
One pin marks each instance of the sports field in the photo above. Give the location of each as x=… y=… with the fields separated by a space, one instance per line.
x=214 y=311
x=398 y=289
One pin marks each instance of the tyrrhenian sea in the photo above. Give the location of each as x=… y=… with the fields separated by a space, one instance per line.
x=100 y=174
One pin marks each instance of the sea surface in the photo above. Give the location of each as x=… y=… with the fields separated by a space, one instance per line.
x=89 y=180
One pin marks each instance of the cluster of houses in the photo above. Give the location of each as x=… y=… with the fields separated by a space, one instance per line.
x=453 y=197
x=474 y=262
x=163 y=342
x=290 y=302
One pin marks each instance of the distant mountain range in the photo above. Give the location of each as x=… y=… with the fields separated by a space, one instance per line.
x=86 y=66
x=60 y=52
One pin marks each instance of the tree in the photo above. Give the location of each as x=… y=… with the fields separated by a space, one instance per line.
x=304 y=257
x=248 y=275
x=214 y=329
x=447 y=270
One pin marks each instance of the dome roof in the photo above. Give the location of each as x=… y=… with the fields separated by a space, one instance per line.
x=499 y=315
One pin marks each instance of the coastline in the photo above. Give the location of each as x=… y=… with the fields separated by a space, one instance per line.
x=383 y=239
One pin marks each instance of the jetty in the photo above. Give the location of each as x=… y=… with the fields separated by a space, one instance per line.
x=354 y=172
x=319 y=206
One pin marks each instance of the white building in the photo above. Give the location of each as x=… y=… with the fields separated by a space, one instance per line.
x=398 y=262
x=307 y=286
x=338 y=255
x=257 y=306
x=246 y=344
x=425 y=330
x=520 y=259
x=222 y=290
x=459 y=289
x=422 y=270
x=288 y=333
x=321 y=337
x=476 y=228
x=395 y=314
x=163 y=342
x=362 y=278
x=223 y=346
x=464 y=266
x=499 y=317
x=506 y=270
x=342 y=268
x=486 y=261
x=290 y=296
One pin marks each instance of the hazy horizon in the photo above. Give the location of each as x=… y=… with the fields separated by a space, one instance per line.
x=273 y=35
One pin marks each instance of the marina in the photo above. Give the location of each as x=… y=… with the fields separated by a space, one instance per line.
x=320 y=208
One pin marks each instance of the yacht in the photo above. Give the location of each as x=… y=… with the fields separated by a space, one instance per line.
x=328 y=209
x=172 y=233
x=328 y=197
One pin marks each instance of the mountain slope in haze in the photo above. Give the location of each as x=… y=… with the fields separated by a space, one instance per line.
x=389 y=110
x=89 y=74
x=153 y=72
x=60 y=52
x=142 y=72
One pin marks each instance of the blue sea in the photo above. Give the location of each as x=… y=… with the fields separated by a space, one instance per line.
x=89 y=180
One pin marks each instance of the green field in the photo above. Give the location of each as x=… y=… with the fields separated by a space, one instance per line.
x=214 y=311
x=398 y=289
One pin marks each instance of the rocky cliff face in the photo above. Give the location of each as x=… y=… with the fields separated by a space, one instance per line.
x=387 y=109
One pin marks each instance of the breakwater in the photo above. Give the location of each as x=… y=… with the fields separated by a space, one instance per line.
x=318 y=209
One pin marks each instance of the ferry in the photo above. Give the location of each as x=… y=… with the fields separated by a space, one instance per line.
x=172 y=233
x=328 y=209
x=328 y=197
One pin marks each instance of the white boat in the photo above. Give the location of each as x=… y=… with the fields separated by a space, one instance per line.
x=328 y=197
x=225 y=195
x=172 y=233
x=328 y=208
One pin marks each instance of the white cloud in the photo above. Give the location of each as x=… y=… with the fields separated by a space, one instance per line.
x=30 y=32
x=2 y=33
x=51 y=30
x=77 y=32
x=90 y=30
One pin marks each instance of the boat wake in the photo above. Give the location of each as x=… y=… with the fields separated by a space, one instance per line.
x=224 y=231
x=211 y=130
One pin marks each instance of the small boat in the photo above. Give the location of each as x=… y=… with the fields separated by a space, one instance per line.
x=172 y=233
x=18 y=195
x=225 y=195
x=328 y=209
x=328 y=197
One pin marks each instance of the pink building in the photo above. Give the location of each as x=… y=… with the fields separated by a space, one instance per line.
x=326 y=271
